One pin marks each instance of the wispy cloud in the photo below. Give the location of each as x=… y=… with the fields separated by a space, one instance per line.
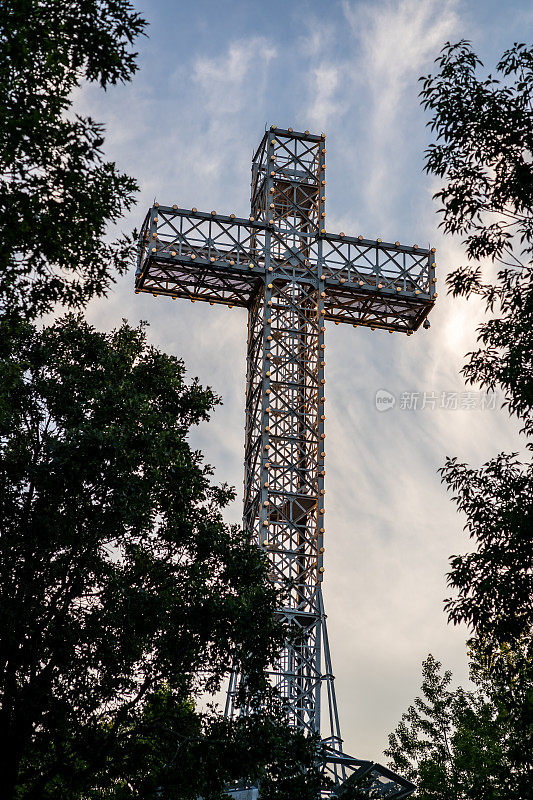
x=326 y=80
x=222 y=79
x=398 y=39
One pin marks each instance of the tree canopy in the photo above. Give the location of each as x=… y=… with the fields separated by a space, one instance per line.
x=466 y=745
x=117 y=574
x=484 y=131
x=477 y=744
x=124 y=598
x=58 y=195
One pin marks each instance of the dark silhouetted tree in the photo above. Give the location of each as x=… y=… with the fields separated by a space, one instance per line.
x=478 y=745
x=117 y=574
x=484 y=130
x=58 y=195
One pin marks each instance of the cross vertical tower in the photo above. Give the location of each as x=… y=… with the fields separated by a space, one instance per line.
x=292 y=276
x=284 y=475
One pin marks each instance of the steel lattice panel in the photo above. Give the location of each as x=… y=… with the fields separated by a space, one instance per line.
x=198 y=256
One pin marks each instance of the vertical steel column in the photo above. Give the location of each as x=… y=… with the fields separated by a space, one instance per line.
x=336 y=769
x=284 y=450
x=293 y=499
x=256 y=437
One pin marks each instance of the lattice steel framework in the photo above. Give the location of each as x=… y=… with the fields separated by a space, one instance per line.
x=292 y=276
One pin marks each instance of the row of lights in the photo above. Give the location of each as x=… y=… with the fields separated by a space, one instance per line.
x=272 y=190
x=230 y=305
x=306 y=133
x=271 y=205
x=251 y=265
x=270 y=269
x=341 y=234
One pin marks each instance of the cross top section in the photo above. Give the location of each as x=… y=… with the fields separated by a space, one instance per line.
x=221 y=258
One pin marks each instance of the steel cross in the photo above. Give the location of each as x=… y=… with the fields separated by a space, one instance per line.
x=292 y=276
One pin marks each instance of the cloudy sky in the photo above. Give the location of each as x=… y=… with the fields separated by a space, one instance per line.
x=212 y=74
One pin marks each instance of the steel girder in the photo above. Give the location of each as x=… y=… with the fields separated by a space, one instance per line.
x=282 y=265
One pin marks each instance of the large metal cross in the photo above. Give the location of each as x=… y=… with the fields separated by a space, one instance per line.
x=292 y=276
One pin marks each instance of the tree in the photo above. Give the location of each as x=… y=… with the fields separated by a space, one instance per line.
x=58 y=195
x=504 y=675
x=420 y=746
x=172 y=750
x=484 y=152
x=118 y=577
x=282 y=761
x=123 y=595
x=495 y=582
x=458 y=745
x=478 y=744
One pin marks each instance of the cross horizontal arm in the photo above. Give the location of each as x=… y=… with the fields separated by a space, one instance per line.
x=200 y=255
x=223 y=259
x=374 y=283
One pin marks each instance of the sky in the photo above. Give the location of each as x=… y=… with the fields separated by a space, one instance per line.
x=212 y=75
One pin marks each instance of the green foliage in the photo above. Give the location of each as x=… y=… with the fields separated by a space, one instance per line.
x=171 y=750
x=123 y=596
x=58 y=196
x=495 y=581
x=117 y=574
x=420 y=747
x=478 y=745
x=484 y=153
x=484 y=149
x=282 y=761
x=458 y=745
x=505 y=676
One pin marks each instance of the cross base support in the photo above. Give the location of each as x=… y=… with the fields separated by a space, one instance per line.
x=353 y=778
